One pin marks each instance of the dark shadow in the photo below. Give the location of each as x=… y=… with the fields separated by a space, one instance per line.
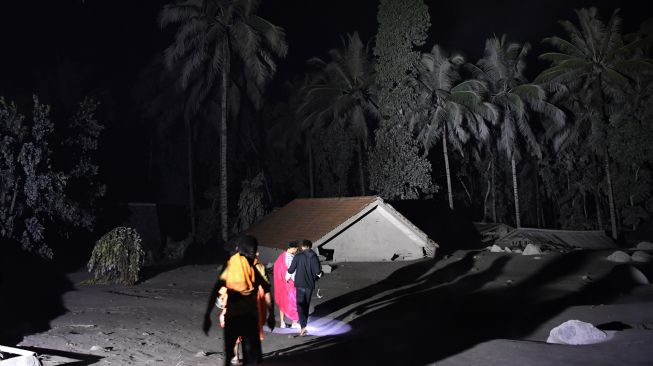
x=83 y=359
x=444 y=314
x=403 y=276
x=614 y=326
x=31 y=290
x=152 y=271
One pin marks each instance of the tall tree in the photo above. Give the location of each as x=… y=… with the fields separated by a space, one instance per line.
x=341 y=92
x=596 y=62
x=502 y=68
x=402 y=27
x=40 y=194
x=452 y=108
x=213 y=39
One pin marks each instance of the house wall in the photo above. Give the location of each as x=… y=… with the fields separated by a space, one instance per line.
x=374 y=238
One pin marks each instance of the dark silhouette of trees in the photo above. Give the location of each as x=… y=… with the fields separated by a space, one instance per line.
x=215 y=40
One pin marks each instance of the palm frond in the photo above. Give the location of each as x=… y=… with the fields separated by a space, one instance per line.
x=565 y=46
x=611 y=35
x=555 y=57
x=179 y=13
x=274 y=36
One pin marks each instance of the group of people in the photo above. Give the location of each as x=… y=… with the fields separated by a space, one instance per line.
x=243 y=295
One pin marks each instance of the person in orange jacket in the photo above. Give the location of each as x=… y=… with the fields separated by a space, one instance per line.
x=241 y=285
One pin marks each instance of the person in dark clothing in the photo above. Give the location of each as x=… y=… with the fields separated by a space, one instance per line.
x=308 y=269
x=239 y=283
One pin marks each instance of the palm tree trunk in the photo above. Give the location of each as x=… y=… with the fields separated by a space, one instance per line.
x=224 y=207
x=191 y=180
x=631 y=197
x=311 y=183
x=585 y=206
x=606 y=120
x=515 y=192
x=494 y=195
x=446 y=165
x=598 y=211
x=613 y=216
x=361 y=172
x=487 y=192
x=538 y=204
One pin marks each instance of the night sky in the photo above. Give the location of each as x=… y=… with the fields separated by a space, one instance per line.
x=63 y=50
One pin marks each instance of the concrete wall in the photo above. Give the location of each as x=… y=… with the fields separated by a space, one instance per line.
x=375 y=237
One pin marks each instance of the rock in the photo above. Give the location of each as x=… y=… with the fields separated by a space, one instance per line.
x=641 y=257
x=507 y=250
x=518 y=251
x=97 y=348
x=637 y=276
x=532 y=249
x=619 y=257
x=200 y=354
x=576 y=332
x=645 y=245
x=326 y=268
x=496 y=249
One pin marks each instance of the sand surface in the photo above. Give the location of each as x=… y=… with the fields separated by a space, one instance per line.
x=471 y=308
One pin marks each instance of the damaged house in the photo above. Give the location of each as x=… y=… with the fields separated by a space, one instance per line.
x=558 y=240
x=343 y=229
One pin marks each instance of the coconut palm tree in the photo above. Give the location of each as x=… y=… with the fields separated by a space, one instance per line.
x=502 y=68
x=213 y=39
x=341 y=92
x=450 y=108
x=596 y=62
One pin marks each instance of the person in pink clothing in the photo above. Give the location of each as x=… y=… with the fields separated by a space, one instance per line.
x=284 y=288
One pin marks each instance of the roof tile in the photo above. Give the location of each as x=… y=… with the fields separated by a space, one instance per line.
x=306 y=218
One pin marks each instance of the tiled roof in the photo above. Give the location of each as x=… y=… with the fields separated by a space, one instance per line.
x=306 y=218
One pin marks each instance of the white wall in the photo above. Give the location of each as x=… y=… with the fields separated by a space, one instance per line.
x=374 y=238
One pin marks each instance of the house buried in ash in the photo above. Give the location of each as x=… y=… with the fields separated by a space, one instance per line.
x=346 y=229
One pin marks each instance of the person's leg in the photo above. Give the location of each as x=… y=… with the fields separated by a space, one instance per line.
x=282 y=324
x=300 y=305
x=230 y=336
x=236 y=357
x=251 y=342
x=303 y=304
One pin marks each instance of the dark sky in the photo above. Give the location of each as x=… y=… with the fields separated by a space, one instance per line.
x=118 y=37
x=65 y=49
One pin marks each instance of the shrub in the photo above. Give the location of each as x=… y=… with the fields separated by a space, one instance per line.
x=117 y=257
x=251 y=204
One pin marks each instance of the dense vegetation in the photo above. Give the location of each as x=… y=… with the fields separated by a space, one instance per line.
x=397 y=115
x=565 y=150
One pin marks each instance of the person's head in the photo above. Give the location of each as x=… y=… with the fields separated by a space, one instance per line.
x=247 y=246
x=293 y=246
x=306 y=244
